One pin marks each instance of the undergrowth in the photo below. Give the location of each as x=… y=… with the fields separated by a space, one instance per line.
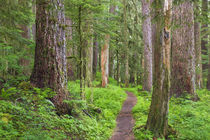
x=26 y=113
x=188 y=120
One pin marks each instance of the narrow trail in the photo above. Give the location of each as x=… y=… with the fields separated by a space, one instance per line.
x=125 y=121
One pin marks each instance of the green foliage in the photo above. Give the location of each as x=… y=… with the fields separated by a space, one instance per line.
x=15 y=50
x=187 y=119
x=26 y=113
x=102 y=104
x=191 y=119
x=140 y=112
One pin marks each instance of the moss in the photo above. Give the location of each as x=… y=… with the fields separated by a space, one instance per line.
x=25 y=86
x=63 y=26
x=53 y=19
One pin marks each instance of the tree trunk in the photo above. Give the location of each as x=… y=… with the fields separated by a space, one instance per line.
x=198 y=60
x=33 y=29
x=24 y=61
x=105 y=61
x=89 y=61
x=183 y=50
x=81 y=55
x=147 y=37
x=111 y=54
x=204 y=42
x=95 y=56
x=111 y=63
x=208 y=82
x=70 y=52
x=50 y=59
x=125 y=31
x=118 y=67
x=105 y=55
x=158 y=116
x=99 y=57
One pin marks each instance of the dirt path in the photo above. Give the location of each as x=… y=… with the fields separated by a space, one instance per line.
x=125 y=121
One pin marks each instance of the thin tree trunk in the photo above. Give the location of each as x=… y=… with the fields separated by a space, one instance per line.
x=89 y=61
x=111 y=63
x=81 y=54
x=105 y=55
x=204 y=41
x=34 y=25
x=70 y=52
x=50 y=52
x=158 y=116
x=95 y=56
x=208 y=82
x=118 y=67
x=104 y=61
x=99 y=57
x=125 y=31
x=147 y=37
x=111 y=55
x=23 y=61
x=198 y=59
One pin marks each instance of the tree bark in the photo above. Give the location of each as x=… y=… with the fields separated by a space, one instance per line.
x=50 y=52
x=204 y=41
x=125 y=31
x=147 y=37
x=111 y=54
x=158 y=116
x=208 y=82
x=70 y=49
x=197 y=32
x=89 y=60
x=24 y=61
x=99 y=57
x=183 y=50
x=105 y=61
x=105 y=55
x=95 y=56
x=118 y=67
x=111 y=63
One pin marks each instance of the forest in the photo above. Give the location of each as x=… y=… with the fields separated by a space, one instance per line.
x=104 y=70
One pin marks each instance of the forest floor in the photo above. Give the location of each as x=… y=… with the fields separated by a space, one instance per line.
x=125 y=121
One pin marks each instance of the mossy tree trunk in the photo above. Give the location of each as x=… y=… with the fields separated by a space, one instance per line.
x=147 y=38
x=158 y=115
x=183 y=50
x=50 y=52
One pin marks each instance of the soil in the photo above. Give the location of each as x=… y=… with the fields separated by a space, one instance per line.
x=125 y=121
